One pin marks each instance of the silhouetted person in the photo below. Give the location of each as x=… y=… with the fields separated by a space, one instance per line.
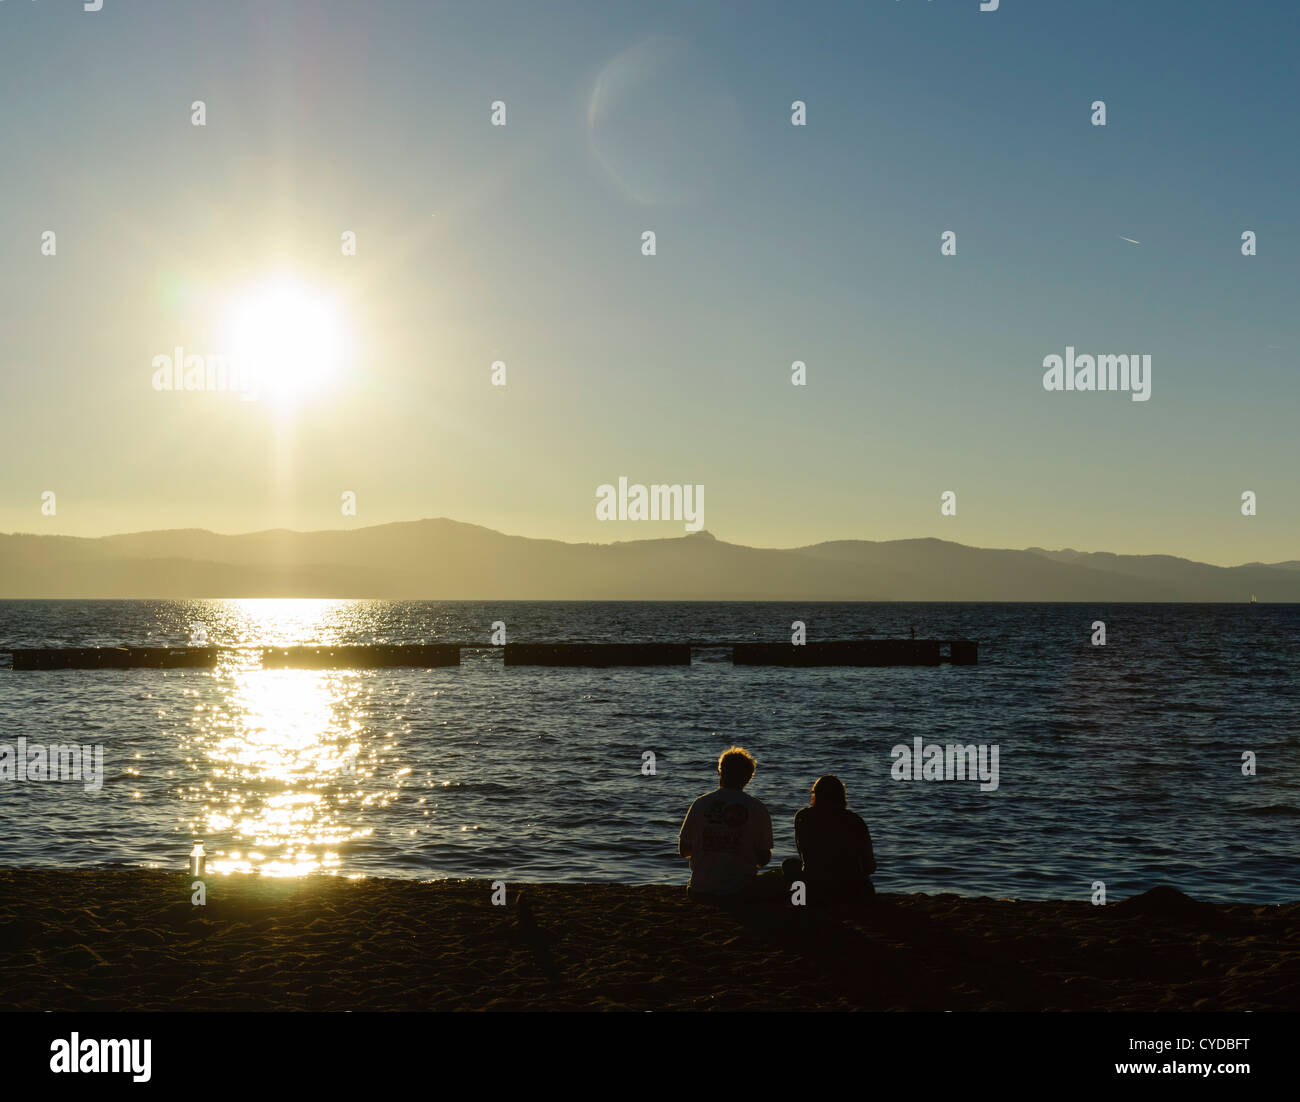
x=835 y=846
x=727 y=835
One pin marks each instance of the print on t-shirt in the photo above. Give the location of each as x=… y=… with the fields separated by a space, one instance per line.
x=724 y=827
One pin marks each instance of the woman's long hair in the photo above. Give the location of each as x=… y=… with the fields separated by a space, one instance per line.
x=828 y=791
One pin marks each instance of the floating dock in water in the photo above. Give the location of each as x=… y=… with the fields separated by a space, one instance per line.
x=859 y=652
x=371 y=657
x=851 y=652
x=597 y=654
x=115 y=658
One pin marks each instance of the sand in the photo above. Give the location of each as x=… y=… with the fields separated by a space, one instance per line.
x=131 y=940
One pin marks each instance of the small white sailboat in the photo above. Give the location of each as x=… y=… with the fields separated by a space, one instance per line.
x=1252 y=599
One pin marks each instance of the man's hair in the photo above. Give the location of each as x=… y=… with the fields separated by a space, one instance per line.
x=736 y=766
x=828 y=791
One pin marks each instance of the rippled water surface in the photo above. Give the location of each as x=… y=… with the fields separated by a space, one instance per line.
x=1120 y=763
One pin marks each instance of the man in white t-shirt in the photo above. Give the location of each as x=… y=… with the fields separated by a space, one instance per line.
x=726 y=834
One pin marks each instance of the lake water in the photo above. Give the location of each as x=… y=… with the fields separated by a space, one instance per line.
x=1120 y=763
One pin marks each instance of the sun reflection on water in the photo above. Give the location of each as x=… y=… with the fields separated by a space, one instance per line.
x=284 y=758
x=288 y=621
x=282 y=768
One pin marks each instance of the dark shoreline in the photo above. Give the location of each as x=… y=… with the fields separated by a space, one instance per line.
x=132 y=940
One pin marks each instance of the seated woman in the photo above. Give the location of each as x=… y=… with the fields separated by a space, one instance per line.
x=834 y=845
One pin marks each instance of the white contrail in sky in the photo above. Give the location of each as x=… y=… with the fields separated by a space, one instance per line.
x=1129 y=240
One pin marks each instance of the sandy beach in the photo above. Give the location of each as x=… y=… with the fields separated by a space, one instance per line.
x=131 y=940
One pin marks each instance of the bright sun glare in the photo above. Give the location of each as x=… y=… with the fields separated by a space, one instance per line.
x=289 y=336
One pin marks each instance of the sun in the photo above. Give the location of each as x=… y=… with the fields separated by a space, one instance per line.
x=288 y=336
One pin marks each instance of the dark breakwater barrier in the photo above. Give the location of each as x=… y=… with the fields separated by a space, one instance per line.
x=115 y=658
x=424 y=656
x=859 y=652
x=855 y=652
x=597 y=654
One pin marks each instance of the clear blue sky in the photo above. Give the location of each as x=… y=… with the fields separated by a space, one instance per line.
x=775 y=243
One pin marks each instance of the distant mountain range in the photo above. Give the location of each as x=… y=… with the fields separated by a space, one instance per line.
x=444 y=559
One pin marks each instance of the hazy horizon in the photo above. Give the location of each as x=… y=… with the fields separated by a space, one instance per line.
x=706 y=533
x=443 y=559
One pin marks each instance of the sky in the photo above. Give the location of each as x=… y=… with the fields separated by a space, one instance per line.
x=774 y=243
